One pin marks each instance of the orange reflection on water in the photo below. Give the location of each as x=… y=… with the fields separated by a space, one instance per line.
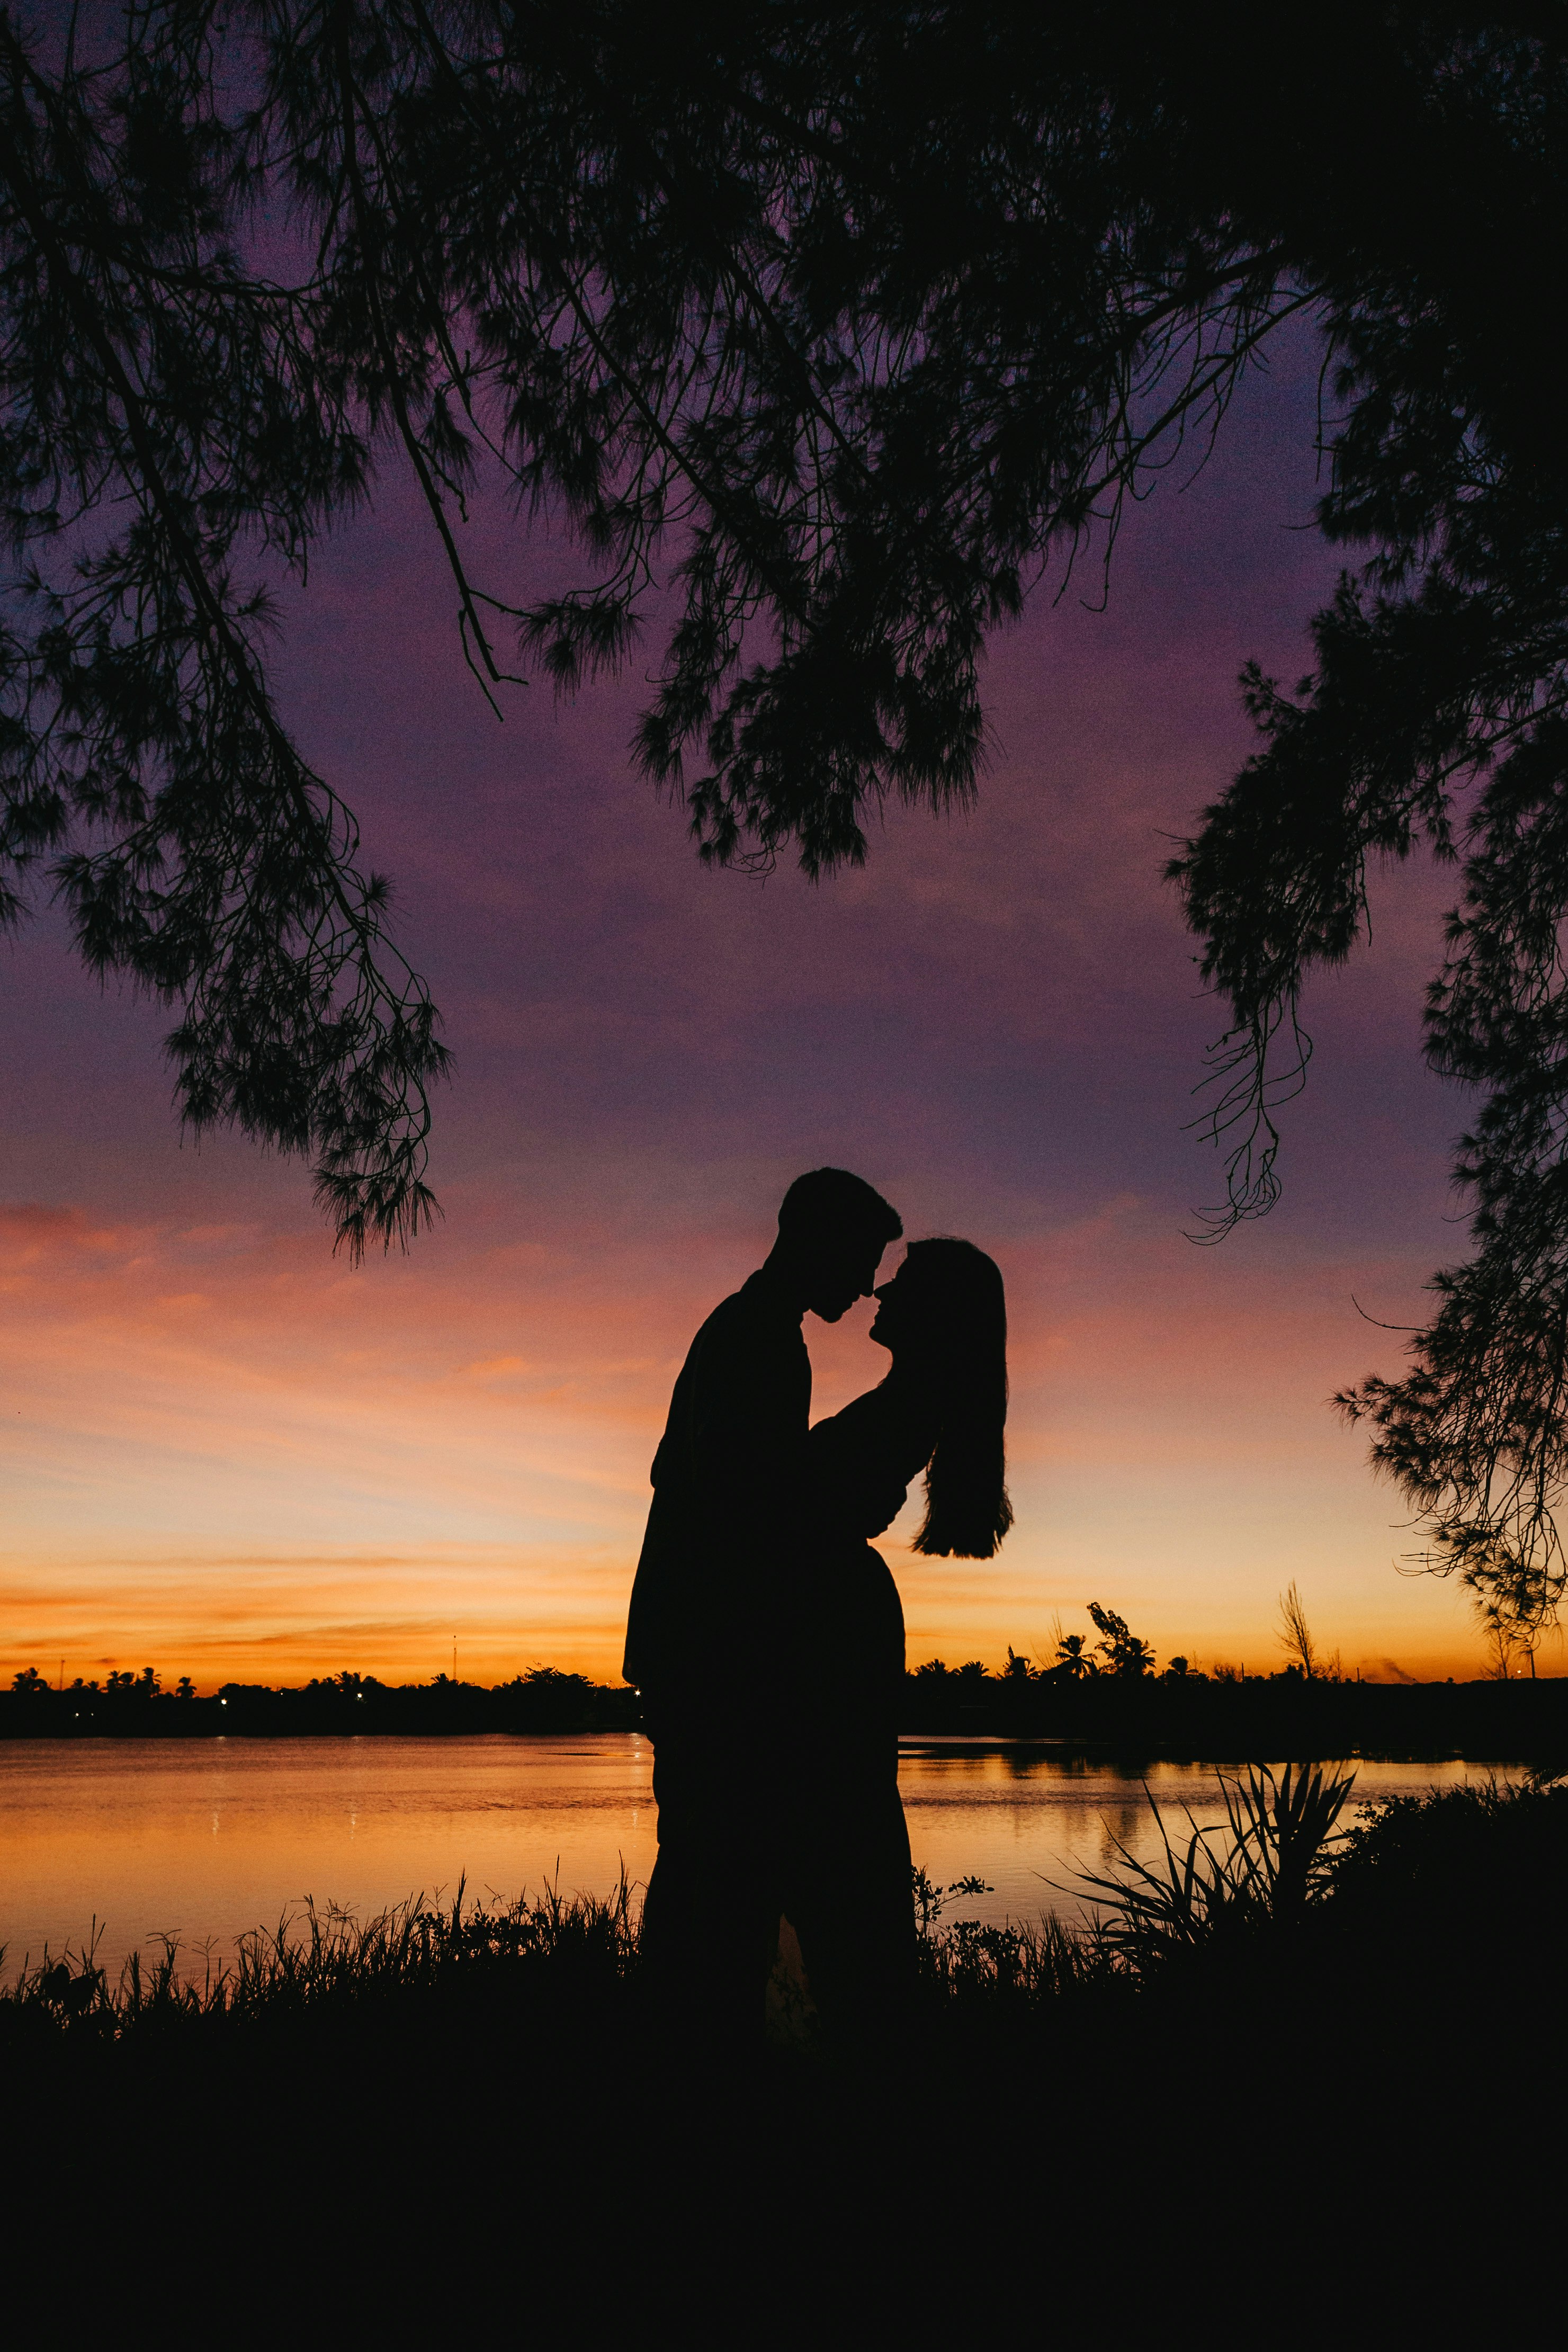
x=207 y=1839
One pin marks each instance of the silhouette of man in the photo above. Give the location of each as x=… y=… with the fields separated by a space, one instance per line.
x=706 y=1638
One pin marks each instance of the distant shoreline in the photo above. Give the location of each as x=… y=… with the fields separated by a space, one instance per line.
x=1523 y=1722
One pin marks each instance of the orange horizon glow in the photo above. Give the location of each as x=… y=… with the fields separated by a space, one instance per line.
x=397 y=1655
x=498 y=1482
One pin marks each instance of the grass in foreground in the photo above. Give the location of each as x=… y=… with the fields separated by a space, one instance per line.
x=1274 y=1885
x=458 y=2111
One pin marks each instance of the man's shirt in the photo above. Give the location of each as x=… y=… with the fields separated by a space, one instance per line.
x=721 y=1539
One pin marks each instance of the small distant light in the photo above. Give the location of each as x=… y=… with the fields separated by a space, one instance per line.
x=223 y=1702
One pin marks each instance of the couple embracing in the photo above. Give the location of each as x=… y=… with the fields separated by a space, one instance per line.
x=766 y=1633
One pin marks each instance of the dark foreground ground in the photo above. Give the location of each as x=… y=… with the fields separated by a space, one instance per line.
x=1302 y=2121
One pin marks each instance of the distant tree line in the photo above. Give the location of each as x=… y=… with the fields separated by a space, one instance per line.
x=1231 y=1714
x=1110 y=1698
x=128 y=1705
x=1112 y=1693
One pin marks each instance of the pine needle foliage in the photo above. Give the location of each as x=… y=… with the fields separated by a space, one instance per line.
x=167 y=412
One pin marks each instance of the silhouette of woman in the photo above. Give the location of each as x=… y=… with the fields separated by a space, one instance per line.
x=941 y=1408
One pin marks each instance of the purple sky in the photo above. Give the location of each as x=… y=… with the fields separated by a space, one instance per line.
x=230 y=1454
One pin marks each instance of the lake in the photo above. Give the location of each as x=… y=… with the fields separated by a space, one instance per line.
x=205 y=1838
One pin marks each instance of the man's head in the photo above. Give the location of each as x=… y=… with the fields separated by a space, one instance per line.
x=832 y=1231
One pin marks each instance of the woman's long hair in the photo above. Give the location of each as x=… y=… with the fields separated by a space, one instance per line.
x=966 y=1509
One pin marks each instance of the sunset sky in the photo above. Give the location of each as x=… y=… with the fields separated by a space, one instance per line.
x=229 y=1453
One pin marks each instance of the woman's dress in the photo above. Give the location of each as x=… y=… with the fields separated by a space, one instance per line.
x=847 y=1891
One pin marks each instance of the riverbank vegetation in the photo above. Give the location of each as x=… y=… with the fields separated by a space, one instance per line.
x=1273 y=1873
x=474 y=2099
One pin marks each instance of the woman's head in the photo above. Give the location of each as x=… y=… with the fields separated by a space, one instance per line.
x=943 y=1315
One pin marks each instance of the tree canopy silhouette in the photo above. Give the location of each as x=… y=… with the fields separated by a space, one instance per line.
x=849 y=324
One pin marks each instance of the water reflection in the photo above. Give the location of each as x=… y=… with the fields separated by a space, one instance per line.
x=205 y=1838
x=1033 y=1821
x=1118 y=1835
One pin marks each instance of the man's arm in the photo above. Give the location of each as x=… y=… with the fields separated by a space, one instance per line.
x=727 y=1484
x=746 y=1425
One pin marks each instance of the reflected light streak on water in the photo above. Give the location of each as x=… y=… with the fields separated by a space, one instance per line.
x=205 y=1838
